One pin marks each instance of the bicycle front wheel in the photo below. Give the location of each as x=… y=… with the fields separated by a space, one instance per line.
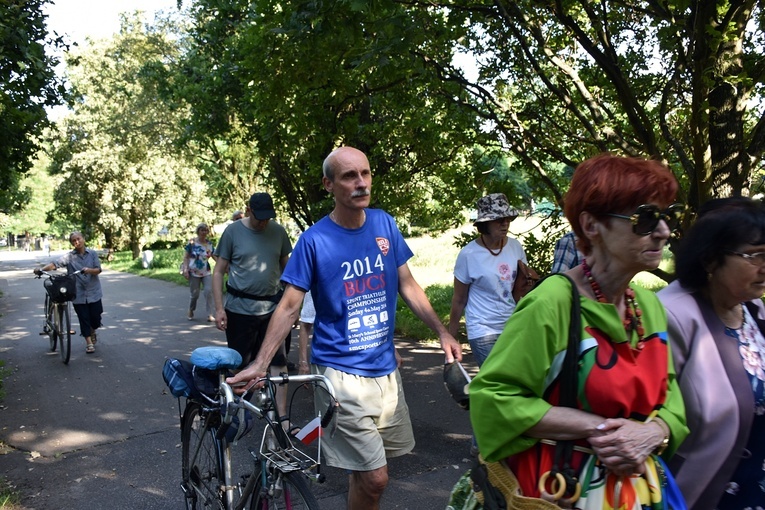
x=64 y=332
x=285 y=491
x=50 y=322
x=202 y=469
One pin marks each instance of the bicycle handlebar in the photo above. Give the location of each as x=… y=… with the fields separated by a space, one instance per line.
x=230 y=405
x=39 y=273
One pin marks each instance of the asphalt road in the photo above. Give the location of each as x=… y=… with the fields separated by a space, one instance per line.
x=103 y=432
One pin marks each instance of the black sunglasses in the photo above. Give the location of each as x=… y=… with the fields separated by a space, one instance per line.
x=646 y=218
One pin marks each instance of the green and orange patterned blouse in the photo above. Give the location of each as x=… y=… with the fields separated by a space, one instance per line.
x=617 y=377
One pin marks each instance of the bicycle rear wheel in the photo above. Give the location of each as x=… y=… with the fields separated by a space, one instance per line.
x=50 y=322
x=202 y=471
x=64 y=332
x=289 y=491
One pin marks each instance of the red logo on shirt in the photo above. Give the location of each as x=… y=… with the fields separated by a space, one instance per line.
x=383 y=244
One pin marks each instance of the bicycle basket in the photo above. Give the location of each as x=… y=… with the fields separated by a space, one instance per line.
x=61 y=288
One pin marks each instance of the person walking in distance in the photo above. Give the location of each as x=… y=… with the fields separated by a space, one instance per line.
x=354 y=262
x=196 y=269
x=253 y=251
x=87 y=303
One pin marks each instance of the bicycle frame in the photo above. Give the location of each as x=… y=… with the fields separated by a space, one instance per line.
x=277 y=453
x=276 y=447
x=57 y=321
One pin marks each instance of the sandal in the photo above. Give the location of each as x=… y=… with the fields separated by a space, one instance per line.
x=90 y=349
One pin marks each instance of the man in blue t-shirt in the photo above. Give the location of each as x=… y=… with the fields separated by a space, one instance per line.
x=354 y=262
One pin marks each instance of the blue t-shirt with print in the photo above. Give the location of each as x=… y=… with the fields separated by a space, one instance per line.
x=353 y=276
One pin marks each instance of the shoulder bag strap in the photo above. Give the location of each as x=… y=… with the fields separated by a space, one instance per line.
x=568 y=383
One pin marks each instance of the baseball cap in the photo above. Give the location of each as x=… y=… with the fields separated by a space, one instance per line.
x=262 y=207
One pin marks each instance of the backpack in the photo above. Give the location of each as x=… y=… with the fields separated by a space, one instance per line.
x=187 y=380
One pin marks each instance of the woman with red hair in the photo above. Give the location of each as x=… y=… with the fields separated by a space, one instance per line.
x=627 y=405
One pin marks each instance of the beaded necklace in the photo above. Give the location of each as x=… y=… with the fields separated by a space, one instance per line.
x=632 y=313
x=501 y=246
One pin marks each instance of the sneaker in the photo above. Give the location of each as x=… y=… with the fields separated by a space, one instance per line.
x=191 y=315
x=210 y=318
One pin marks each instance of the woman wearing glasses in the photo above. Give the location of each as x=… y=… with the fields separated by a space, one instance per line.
x=716 y=326
x=628 y=406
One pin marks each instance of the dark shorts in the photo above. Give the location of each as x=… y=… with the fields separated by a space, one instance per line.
x=245 y=334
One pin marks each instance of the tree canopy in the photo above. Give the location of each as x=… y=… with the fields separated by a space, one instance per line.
x=28 y=85
x=679 y=81
x=124 y=176
x=254 y=94
x=300 y=78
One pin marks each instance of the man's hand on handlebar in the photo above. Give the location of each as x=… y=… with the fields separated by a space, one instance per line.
x=249 y=376
x=38 y=272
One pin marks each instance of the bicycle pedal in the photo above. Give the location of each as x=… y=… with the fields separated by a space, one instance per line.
x=42 y=333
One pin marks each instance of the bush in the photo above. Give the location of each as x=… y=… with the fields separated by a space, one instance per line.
x=409 y=325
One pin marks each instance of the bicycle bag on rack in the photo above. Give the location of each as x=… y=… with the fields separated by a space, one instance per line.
x=61 y=288
x=186 y=380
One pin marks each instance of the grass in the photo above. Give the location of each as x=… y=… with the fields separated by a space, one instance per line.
x=10 y=499
x=164 y=265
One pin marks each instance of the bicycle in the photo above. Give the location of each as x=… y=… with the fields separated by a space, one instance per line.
x=216 y=418
x=59 y=292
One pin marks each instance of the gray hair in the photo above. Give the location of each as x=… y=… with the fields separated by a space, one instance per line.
x=327 y=168
x=201 y=226
x=237 y=215
x=76 y=233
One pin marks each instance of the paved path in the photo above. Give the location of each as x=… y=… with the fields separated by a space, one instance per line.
x=102 y=432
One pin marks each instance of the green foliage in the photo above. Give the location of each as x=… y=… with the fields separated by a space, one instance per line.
x=122 y=175
x=561 y=81
x=35 y=216
x=27 y=86
x=164 y=267
x=302 y=78
x=410 y=326
x=539 y=247
x=10 y=499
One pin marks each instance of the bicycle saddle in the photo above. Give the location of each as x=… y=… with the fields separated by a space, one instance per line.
x=216 y=358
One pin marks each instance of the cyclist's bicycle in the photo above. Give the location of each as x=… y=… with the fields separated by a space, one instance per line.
x=215 y=418
x=59 y=292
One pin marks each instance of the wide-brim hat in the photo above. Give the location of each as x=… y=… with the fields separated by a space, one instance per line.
x=494 y=207
x=262 y=206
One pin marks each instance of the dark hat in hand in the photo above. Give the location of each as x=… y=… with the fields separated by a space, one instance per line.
x=456 y=380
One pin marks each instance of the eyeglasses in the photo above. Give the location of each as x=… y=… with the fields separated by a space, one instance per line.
x=646 y=218
x=756 y=259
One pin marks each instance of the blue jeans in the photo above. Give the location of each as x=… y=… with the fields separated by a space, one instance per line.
x=481 y=347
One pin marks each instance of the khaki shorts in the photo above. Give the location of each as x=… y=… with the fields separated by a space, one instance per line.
x=372 y=421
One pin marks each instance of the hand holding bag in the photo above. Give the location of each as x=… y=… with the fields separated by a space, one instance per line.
x=524 y=281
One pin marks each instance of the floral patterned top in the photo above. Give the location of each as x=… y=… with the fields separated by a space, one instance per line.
x=199 y=253
x=746 y=490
